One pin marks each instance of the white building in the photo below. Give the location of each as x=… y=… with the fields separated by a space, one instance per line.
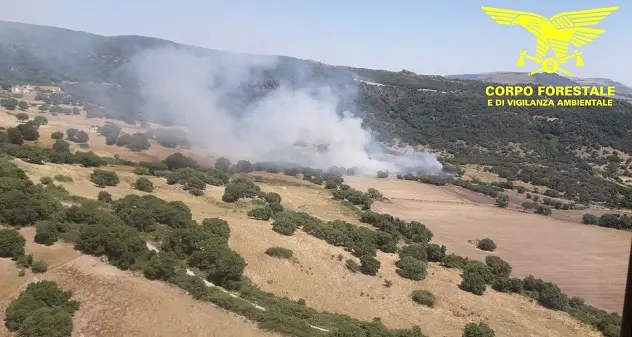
x=22 y=89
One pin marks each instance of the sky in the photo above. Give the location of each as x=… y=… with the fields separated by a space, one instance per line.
x=424 y=36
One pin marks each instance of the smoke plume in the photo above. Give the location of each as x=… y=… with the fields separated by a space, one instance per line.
x=299 y=121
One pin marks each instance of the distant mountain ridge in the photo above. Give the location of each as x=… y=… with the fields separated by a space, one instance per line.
x=544 y=79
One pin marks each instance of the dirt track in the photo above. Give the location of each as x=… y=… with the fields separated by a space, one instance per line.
x=586 y=261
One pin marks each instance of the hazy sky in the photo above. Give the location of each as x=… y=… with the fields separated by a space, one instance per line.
x=428 y=37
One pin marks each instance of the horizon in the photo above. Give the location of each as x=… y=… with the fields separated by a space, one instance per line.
x=246 y=26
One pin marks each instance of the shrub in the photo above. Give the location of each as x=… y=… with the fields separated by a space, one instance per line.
x=590 y=219
x=103 y=178
x=140 y=170
x=46 y=180
x=382 y=174
x=273 y=197
x=104 y=196
x=57 y=135
x=40 y=120
x=423 y=297
x=39 y=266
x=11 y=243
x=352 y=265
x=284 y=226
x=478 y=330
x=217 y=226
x=274 y=207
x=486 y=244
x=63 y=178
x=196 y=192
x=473 y=282
x=502 y=200
x=282 y=253
x=260 y=214
x=412 y=268
x=435 y=252
x=46 y=233
x=144 y=184
x=499 y=267
x=369 y=265
x=42 y=309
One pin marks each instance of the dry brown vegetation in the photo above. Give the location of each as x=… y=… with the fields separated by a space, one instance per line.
x=316 y=274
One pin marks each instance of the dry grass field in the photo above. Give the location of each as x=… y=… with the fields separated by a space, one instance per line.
x=586 y=261
x=317 y=275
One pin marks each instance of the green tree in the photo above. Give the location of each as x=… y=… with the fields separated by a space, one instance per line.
x=61 y=145
x=272 y=197
x=499 y=267
x=11 y=243
x=260 y=213
x=41 y=120
x=178 y=160
x=103 y=178
x=57 y=135
x=227 y=269
x=9 y=103
x=23 y=312
x=47 y=322
x=473 y=282
x=46 y=233
x=23 y=105
x=15 y=136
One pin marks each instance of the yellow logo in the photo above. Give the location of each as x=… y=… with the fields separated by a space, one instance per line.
x=557 y=32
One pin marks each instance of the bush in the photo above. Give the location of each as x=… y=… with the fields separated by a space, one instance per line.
x=104 y=196
x=369 y=265
x=40 y=120
x=260 y=213
x=499 y=267
x=486 y=244
x=423 y=297
x=42 y=309
x=217 y=226
x=196 y=192
x=478 y=330
x=39 y=266
x=46 y=233
x=590 y=219
x=282 y=253
x=141 y=171
x=473 y=282
x=412 y=268
x=502 y=200
x=144 y=184
x=103 y=178
x=57 y=135
x=284 y=226
x=11 y=243
x=352 y=265
x=46 y=180
x=272 y=197
x=63 y=178
x=382 y=174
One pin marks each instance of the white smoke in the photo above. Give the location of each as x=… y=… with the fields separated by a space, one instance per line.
x=197 y=92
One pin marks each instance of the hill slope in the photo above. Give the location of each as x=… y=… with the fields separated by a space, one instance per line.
x=560 y=148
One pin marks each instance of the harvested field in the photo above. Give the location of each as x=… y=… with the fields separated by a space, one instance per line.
x=317 y=275
x=590 y=262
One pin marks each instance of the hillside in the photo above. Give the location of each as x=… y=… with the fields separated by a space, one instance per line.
x=441 y=115
x=622 y=91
